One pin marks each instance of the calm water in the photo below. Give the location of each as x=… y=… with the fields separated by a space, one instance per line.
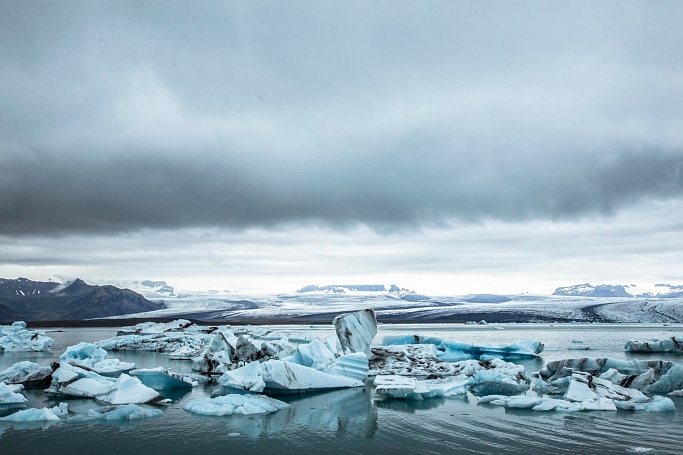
x=349 y=421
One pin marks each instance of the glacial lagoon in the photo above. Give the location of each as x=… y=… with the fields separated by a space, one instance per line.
x=353 y=421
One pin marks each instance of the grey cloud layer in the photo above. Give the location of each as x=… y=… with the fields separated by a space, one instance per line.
x=122 y=116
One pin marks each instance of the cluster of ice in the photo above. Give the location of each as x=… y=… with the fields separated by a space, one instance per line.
x=38 y=415
x=162 y=379
x=75 y=381
x=27 y=373
x=18 y=338
x=179 y=325
x=8 y=395
x=356 y=331
x=587 y=392
x=235 y=404
x=673 y=344
x=393 y=386
x=409 y=360
x=92 y=357
x=116 y=412
x=453 y=351
x=226 y=352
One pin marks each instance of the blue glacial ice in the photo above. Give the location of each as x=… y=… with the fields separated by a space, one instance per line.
x=235 y=404
x=18 y=338
x=37 y=415
x=92 y=357
x=392 y=386
x=453 y=351
x=116 y=412
x=162 y=379
x=9 y=395
x=673 y=344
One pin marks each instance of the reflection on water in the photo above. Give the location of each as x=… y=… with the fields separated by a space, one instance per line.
x=352 y=420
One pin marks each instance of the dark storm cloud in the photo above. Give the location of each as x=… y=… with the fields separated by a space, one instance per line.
x=120 y=116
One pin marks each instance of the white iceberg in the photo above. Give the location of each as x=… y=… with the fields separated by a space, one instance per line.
x=37 y=415
x=561 y=368
x=162 y=379
x=453 y=351
x=408 y=360
x=116 y=412
x=92 y=357
x=28 y=373
x=158 y=342
x=356 y=331
x=75 y=381
x=392 y=386
x=673 y=344
x=278 y=376
x=179 y=325
x=8 y=395
x=235 y=404
x=18 y=338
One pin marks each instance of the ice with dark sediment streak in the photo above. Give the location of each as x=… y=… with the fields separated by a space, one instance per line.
x=453 y=351
x=408 y=360
x=240 y=404
x=17 y=337
x=75 y=381
x=392 y=386
x=9 y=395
x=356 y=331
x=89 y=356
x=277 y=376
x=673 y=344
x=27 y=373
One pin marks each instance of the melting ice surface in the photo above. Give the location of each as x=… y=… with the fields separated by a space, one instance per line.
x=355 y=419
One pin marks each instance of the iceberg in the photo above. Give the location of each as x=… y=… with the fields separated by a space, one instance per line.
x=278 y=376
x=116 y=412
x=392 y=386
x=75 y=381
x=356 y=331
x=179 y=325
x=673 y=344
x=8 y=395
x=408 y=360
x=316 y=355
x=235 y=404
x=668 y=382
x=353 y=366
x=158 y=342
x=38 y=415
x=27 y=373
x=162 y=379
x=561 y=368
x=92 y=357
x=453 y=351
x=18 y=338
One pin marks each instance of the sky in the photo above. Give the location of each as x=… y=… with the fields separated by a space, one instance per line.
x=448 y=147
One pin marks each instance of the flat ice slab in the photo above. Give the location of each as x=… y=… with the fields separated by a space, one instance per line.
x=235 y=404
x=392 y=386
x=673 y=344
x=116 y=412
x=37 y=415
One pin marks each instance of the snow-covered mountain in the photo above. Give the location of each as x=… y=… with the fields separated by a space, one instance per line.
x=371 y=289
x=148 y=288
x=587 y=290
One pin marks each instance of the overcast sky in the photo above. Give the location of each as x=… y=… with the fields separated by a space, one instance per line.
x=443 y=146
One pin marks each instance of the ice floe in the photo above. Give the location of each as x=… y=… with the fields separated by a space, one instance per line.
x=116 y=412
x=27 y=373
x=18 y=338
x=235 y=404
x=75 y=381
x=92 y=357
x=408 y=360
x=38 y=415
x=392 y=386
x=8 y=395
x=673 y=344
x=453 y=351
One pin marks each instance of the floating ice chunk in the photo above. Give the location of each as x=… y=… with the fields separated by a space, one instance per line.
x=92 y=357
x=226 y=352
x=36 y=415
x=116 y=412
x=76 y=381
x=8 y=395
x=315 y=354
x=26 y=372
x=584 y=386
x=184 y=353
x=162 y=379
x=159 y=342
x=452 y=351
x=562 y=368
x=656 y=404
x=284 y=377
x=491 y=382
x=634 y=381
x=235 y=404
x=673 y=344
x=392 y=386
x=520 y=402
x=18 y=338
x=153 y=327
x=356 y=331
x=353 y=366
x=671 y=380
